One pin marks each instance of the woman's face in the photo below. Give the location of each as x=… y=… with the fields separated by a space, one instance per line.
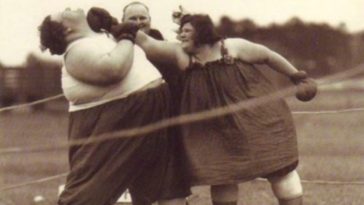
x=72 y=19
x=186 y=37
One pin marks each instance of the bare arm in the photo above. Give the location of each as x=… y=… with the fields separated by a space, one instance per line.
x=255 y=53
x=161 y=51
x=259 y=54
x=100 y=64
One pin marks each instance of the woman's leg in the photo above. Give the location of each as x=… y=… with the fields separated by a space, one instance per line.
x=287 y=188
x=226 y=194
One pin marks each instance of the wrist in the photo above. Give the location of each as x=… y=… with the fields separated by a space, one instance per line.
x=126 y=36
x=298 y=76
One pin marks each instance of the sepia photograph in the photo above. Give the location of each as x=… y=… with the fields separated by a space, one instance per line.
x=171 y=102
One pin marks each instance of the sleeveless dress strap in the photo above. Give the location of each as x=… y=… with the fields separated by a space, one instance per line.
x=228 y=59
x=190 y=60
x=223 y=49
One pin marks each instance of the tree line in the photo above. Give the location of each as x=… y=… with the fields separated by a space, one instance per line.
x=317 y=48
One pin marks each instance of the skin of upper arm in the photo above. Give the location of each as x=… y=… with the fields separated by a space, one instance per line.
x=248 y=51
x=158 y=50
x=258 y=54
x=92 y=64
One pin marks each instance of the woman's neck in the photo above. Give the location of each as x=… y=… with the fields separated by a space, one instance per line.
x=71 y=37
x=207 y=52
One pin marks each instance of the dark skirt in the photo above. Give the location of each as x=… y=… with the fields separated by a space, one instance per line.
x=241 y=146
x=146 y=164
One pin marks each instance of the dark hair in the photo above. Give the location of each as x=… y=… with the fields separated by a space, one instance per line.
x=52 y=36
x=204 y=27
x=154 y=33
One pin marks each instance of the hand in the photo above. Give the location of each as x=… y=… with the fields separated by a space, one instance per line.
x=99 y=19
x=177 y=15
x=126 y=30
x=306 y=87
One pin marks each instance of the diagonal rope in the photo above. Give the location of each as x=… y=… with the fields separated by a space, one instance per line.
x=63 y=146
x=325 y=80
x=187 y=118
x=182 y=119
x=328 y=111
x=31 y=104
x=38 y=181
x=333 y=78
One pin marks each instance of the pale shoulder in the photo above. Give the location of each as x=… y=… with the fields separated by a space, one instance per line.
x=246 y=50
x=242 y=44
x=232 y=41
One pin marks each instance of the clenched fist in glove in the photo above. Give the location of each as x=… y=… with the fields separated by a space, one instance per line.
x=126 y=30
x=179 y=14
x=99 y=19
x=306 y=87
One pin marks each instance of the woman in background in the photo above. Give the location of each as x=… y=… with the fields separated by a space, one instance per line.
x=256 y=142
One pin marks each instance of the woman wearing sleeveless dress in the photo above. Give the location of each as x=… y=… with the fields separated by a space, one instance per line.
x=255 y=142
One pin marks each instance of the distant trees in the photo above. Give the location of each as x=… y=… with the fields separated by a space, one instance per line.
x=317 y=48
x=35 y=80
x=357 y=45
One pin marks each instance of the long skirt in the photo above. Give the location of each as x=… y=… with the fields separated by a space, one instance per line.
x=146 y=164
x=251 y=143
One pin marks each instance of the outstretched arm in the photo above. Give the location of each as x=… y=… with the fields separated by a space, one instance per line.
x=259 y=54
x=97 y=64
x=160 y=51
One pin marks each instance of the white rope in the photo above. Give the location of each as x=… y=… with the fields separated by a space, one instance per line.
x=32 y=103
x=42 y=180
x=328 y=111
x=182 y=120
x=325 y=80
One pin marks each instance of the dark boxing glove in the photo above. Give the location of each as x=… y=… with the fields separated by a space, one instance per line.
x=306 y=87
x=99 y=19
x=126 y=30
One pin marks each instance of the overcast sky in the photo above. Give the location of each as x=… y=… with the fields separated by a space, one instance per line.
x=19 y=18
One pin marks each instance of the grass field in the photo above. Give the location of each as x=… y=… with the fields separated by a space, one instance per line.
x=331 y=149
